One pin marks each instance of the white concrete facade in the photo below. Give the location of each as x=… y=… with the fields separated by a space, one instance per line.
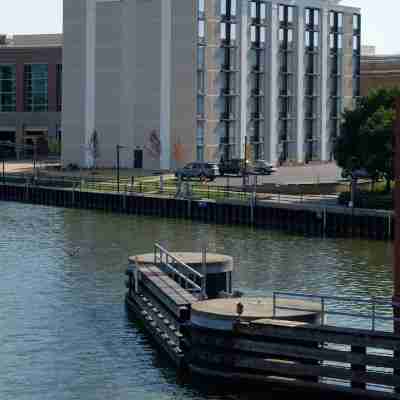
x=179 y=80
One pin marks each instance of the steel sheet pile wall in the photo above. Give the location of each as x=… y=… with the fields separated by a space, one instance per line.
x=316 y=221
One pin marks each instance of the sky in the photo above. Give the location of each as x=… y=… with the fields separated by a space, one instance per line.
x=380 y=19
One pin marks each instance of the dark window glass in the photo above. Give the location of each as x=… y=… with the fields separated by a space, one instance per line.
x=7 y=88
x=59 y=87
x=36 y=87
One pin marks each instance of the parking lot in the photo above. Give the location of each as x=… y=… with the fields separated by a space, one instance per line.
x=309 y=174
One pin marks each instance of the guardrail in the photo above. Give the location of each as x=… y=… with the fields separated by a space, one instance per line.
x=373 y=310
x=186 y=276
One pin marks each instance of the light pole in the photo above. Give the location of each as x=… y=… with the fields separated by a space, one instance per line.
x=245 y=162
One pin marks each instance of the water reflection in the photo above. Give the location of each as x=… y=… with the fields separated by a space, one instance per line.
x=63 y=327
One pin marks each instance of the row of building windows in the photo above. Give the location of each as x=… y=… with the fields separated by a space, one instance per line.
x=287 y=61
x=36 y=77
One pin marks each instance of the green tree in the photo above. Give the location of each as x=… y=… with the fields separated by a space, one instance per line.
x=366 y=136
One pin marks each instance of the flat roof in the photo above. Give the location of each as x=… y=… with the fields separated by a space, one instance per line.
x=24 y=41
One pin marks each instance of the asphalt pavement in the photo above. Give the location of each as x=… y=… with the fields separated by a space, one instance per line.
x=309 y=174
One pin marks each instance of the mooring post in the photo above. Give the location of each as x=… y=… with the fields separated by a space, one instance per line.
x=396 y=265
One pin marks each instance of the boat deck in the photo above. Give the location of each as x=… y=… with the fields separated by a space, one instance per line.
x=166 y=289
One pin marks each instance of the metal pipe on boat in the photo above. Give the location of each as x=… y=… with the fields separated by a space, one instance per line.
x=204 y=271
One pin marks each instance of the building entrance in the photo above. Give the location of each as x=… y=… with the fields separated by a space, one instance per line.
x=36 y=142
x=138 y=159
x=7 y=151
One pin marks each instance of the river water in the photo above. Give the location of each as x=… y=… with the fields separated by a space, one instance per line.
x=64 y=332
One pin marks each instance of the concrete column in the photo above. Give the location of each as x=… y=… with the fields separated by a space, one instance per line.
x=128 y=92
x=300 y=85
x=19 y=78
x=244 y=45
x=272 y=61
x=90 y=76
x=324 y=84
x=52 y=87
x=165 y=108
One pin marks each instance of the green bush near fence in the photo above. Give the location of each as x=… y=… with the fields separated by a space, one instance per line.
x=371 y=200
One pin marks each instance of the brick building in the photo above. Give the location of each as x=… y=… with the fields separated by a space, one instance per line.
x=30 y=91
x=379 y=71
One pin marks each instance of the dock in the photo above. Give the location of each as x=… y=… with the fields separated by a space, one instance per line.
x=186 y=304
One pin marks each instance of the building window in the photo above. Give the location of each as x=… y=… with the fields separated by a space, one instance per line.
x=200 y=142
x=200 y=57
x=316 y=17
x=286 y=14
x=200 y=105
x=201 y=29
x=356 y=22
x=59 y=87
x=335 y=20
x=228 y=7
x=36 y=87
x=227 y=31
x=200 y=7
x=7 y=88
x=290 y=14
x=340 y=20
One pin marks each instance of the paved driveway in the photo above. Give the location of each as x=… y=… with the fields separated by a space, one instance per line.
x=318 y=173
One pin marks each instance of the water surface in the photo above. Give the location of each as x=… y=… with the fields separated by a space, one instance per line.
x=64 y=332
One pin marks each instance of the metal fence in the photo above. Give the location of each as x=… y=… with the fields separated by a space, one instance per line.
x=144 y=186
x=374 y=314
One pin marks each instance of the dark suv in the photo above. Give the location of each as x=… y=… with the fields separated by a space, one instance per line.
x=201 y=170
x=234 y=166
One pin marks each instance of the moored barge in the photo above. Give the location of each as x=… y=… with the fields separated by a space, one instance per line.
x=186 y=303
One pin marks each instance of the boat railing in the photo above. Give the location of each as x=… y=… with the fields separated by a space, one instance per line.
x=186 y=275
x=376 y=313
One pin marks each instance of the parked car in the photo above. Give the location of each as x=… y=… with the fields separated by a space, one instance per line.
x=262 y=167
x=360 y=173
x=234 y=166
x=201 y=170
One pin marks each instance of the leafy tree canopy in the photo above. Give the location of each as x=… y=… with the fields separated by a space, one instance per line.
x=366 y=136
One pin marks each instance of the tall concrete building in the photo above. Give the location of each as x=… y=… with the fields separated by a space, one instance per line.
x=173 y=81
